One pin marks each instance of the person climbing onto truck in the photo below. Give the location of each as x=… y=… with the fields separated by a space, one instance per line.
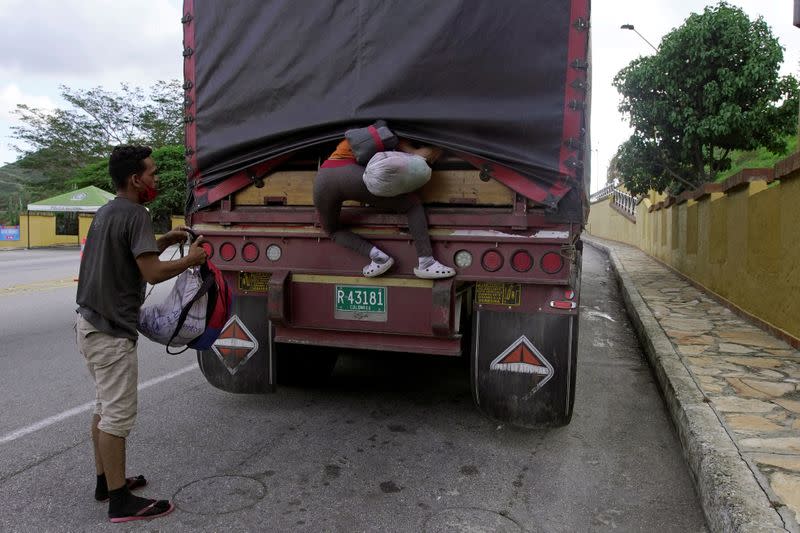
x=340 y=178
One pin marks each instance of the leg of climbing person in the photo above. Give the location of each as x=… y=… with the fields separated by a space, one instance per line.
x=411 y=205
x=332 y=186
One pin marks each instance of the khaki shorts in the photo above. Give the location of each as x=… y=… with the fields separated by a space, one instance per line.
x=114 y=366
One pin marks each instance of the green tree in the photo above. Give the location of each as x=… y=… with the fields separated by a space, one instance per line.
x=60 y=142
x=18 y=186
x=712 y=87
x=171 y=186
x=94 y=173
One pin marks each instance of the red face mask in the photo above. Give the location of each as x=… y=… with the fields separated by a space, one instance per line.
x=148 y=194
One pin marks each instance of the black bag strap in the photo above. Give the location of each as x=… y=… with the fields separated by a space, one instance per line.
x=208 y=282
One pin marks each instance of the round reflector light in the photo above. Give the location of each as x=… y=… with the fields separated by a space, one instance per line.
x=250 y=252
x=492 y=261
x=209 y=249
x=522 y=261
x=463 y=259
x=552 y=262
x=274 y=252
x=227 y=251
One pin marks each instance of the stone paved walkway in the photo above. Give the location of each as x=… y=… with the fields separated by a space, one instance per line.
x=751 y=379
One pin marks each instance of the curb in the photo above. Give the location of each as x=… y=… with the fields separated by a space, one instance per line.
x=731 y=498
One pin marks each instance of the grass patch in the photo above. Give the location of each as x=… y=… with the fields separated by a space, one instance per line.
x=761 y=158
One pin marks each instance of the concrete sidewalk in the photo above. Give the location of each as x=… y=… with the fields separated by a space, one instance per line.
x=733 y=392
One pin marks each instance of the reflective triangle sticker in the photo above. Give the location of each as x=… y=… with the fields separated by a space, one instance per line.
x=522 y=357
x=235 y=344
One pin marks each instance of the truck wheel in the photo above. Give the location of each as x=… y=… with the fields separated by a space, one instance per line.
x=304 y=365
x=523 y=367
x=240 y=360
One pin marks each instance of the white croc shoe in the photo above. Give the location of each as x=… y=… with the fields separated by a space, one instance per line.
x=376 y=269
x=435 y=270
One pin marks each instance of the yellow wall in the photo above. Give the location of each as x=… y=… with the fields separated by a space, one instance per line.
x=84 y=221
x=43 y=231
x=743 y=245
x=178 y=221
x=37 y=230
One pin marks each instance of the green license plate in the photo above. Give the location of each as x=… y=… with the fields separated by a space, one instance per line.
x=358 y=302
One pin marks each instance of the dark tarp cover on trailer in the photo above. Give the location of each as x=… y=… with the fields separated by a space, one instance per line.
x=498 y=80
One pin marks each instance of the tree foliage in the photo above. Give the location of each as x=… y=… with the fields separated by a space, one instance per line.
x=68 y=148
x=171 y=183
x=18 y=187
x=712 y=87
x=59 y=142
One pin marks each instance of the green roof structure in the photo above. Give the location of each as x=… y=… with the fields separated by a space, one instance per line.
x=86 y=200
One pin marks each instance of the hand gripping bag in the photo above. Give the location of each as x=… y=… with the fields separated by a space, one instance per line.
x=366 y=142
x=193 y=314
x=162 y=322
x=396 y=173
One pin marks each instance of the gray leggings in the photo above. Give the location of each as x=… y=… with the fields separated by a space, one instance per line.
x=335 y=185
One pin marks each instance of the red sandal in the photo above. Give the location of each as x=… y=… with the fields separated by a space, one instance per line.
x=154 y=510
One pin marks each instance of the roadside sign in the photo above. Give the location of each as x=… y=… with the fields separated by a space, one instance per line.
x=9 y=233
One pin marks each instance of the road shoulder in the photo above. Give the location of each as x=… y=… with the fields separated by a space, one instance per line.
x=736 y=495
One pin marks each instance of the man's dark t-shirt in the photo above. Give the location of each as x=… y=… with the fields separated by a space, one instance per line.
x=110 y=285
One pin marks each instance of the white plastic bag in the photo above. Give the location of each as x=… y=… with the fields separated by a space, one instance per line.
x=158 y=322
x=396 y=173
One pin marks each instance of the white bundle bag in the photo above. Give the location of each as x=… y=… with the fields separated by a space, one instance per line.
x=395 y=173
x=158 y=322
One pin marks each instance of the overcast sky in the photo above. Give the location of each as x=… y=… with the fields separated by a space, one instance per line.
x=86 y=43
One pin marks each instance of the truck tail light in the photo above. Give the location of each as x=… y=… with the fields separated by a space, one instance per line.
x=227 y=251
x=209 y=249
x=492 y=261
x=463 y=259
x=563 y=304
x=250 y=252
x=552 y=262
x=274 y=252
x=521 y=261
x=569 y=295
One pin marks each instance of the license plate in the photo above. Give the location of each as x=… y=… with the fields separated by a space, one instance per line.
x=358 y=302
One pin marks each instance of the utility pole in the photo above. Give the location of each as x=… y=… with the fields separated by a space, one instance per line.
x=797 y=13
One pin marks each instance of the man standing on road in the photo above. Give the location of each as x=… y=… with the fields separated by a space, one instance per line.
x=120 y=255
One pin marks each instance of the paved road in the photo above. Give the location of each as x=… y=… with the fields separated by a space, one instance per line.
x=385 y=447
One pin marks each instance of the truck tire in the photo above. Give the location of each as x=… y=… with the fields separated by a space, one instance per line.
x=299 y=364
x=523 y=367
x=241 y=359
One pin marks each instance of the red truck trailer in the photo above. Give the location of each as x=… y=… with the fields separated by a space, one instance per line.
x=271 y=87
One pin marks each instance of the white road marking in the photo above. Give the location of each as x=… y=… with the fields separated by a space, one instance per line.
x=49 y=421
x=595 y=314
x=38 y=286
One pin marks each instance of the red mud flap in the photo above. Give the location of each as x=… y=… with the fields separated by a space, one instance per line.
x=523 y=367
x=241 y=359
